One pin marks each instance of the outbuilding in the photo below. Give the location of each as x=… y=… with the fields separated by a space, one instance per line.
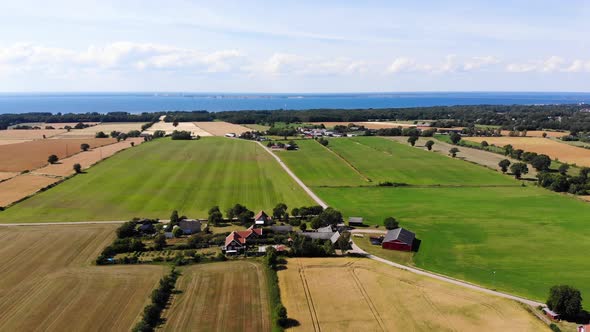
x=261 y=219
x=355 y=221
x=551 y=314
x=398 y=239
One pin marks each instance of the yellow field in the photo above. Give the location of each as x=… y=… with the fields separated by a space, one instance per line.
x=556 y=150
x=227 y=296
x=345 y=294
x=220 y=128
x=49 y=284
x=105 y=127
x=168 y=127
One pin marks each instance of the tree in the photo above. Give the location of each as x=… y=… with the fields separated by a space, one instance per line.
x=151 y=314
x=160 y=242
x=132 y=143
x=295 y=212
x=323 y=141
x=127 y=229
x=344 y=242
x=429 y=144
x=101 y=134
x=544 y=135
x=565 y=300
x=215 y=216
x=455 y=138
x=390 y=223
x=177 y=232
x=279 y=211
x=330 y=216
x=175 y=123
x=518 y=169
x=541 y=162
x=303 y=227
x=484 y=144
x=504 y=164
x=454 y=152
x=271 y=257
x=507 y=149
x=563 y=168
x=84 y=146
x=584 y=173
x=517 y=154
x=316 y=223
x=174 y=218
x=412 y=140
x=78 y=168
x=281 y=315
x=52 y=159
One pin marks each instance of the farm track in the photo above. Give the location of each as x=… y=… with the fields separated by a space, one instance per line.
x=356 y=170
x=315 y=322
x=367 y=298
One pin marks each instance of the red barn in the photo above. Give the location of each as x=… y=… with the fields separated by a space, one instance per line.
x=398 y=239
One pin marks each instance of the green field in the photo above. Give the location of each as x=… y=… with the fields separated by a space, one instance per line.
x=155 y=178
x=531 y=237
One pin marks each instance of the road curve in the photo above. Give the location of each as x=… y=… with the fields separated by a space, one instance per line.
x=457 y=282
x=299 y=182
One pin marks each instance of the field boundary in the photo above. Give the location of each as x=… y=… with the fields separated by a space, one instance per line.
x=315 y=322
x=356 y=170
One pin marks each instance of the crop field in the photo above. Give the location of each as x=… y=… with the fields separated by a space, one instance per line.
x=382 y=160
x=7 y=175
x=48 y=281
x=169 y=127
x=539 y=133
x=469 y=233
x=32 y=155
x=157 y=177
x=29 y=134
x=333 y=294
x=21 y=186
x=228 y=296
x=13 y=141
x=556 y=150
x=87 y=158
x=220 y=128
x=105 y=127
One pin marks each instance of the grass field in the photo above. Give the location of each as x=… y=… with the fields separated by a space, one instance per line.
x=381 y=160
x=339 y=294
x=521 y=233
x=155 y=178
x=228 y=296
x=49 y=284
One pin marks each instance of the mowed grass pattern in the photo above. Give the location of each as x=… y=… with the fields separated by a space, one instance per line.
x=155 y=178
x=384 y=160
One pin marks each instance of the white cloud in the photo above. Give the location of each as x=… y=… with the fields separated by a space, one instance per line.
x=450 y=64
x=286 y=63
x=552 y=64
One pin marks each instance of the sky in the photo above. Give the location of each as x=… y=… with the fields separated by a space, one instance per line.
x=294 y=46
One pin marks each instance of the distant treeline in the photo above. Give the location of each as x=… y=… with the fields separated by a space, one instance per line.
x=512 y=117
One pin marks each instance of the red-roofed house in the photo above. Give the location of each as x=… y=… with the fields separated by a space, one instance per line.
x=237 y=241
x=261 y=218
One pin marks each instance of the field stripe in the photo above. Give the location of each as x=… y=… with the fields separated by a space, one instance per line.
x=315 y=322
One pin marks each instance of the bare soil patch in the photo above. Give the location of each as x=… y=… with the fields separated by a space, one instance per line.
x=168 y=127
x=333 y=294
x=34 y=154
x=87 y=158
x=48 y=281
x=29 y=134
x=22 y=186
x=556 y=150
x=220 y=128
x=228 y=296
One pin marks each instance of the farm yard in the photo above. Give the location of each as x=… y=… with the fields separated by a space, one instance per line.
x=220 y=128
x=228 y=296
x=157 y=177
x=343 y=294
x=32 y=155
x=48 y=281
x=556 y=150
x=471 y=220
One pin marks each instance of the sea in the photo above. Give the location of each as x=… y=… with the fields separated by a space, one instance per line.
x=215 y=102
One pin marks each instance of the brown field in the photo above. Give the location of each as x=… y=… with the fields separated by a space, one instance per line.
x=26 y=134
x=556 y=150
x=32 y=155
x=344 y=294
x=13 y=141
x=227 y=296
x=86 y=159
x=61 y=125
x=168 y=127
x=105 y=127
x=538 y=133
x=220 y=128
x=49 y=283
x=7 y=175
x=22 y=186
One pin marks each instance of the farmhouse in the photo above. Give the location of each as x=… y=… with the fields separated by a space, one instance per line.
x=261 y=218
x=398 y=239
x=190 y=226
x=355 y=221
x=237 y=241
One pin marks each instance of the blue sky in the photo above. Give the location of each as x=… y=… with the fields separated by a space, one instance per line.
x=294 y=46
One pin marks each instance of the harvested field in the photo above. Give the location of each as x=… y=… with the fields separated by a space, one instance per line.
x=49 y=283
x=22 y=186
x=106 y=127
x=32 y=155
x=29 y=134
x=168 y=127
x=228 y=296
x=220 y=128
x=539 y=133
x=7 y=175
x=13 y=141
x=556 y=150
x=334 y=294
x=86 y=159
x=369 y=125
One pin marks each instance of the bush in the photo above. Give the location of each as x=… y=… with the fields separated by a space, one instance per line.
x=78 y=168
x=181 y=135
x=52 y=159
x=101 y=134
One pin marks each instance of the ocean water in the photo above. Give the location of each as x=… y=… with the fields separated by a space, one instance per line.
x=152 y=102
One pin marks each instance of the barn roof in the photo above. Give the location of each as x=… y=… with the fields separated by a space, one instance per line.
x=355 y=220
x=335 y=237
x=327 y=229
x=318 y=235
x=400 y=234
